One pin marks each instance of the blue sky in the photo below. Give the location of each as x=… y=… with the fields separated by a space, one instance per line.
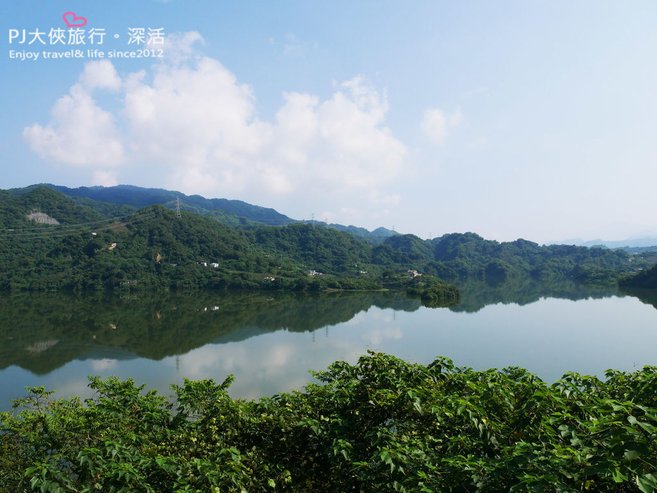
x=510 y=118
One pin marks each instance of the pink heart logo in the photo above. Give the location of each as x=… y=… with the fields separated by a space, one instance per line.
x=73 y=20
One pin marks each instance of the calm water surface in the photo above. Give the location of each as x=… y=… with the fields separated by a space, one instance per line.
x=270 y=342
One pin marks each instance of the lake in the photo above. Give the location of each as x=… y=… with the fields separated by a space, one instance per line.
x=270 y=342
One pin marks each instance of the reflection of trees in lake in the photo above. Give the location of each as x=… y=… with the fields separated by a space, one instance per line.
x=44 y=331
x=41 y=332
x=475 y=295
x=647 y=296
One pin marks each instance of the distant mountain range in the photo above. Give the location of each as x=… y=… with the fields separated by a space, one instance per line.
x=141 y=197
x=232 y=212
x=239 y=213
x=630 y=243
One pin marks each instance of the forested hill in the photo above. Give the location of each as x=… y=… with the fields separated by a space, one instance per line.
x=52 y=241
x=234 y=211
x=231 y=212
x=469 y=256
x=16 y=205
x=94 y=246
x=646 y=279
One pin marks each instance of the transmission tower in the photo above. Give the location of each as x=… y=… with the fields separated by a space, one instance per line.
x=178 y=214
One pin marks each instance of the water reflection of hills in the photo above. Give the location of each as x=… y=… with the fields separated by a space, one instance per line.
x=43 y=332
x=647 y=296
x=475 y=295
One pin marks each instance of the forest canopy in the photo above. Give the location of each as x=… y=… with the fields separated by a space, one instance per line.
x=94 y=245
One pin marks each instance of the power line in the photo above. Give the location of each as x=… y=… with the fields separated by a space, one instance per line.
x=61 y=226
x=46 y=229
x=67 y=229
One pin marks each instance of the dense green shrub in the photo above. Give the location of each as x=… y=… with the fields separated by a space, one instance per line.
x=382 y=424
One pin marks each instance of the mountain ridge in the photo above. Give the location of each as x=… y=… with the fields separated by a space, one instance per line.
x=230 y=211
x=94 y=248
x=627 y=244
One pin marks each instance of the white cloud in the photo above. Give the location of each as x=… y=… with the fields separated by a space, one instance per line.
x=194 y=119
x=100 y=74
x=180 y=47
x=192 y=115
x=80 y=133
x=436 y=124
x=351 y=124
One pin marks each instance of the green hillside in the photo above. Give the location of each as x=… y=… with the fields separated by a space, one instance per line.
x=148 y=248
x=229 y=211
x=91 y=245
x=17 y=204
x=646 y=279
x=84 y=249
x=467 y=256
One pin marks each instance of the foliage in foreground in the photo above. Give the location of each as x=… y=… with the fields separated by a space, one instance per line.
x=382 y=424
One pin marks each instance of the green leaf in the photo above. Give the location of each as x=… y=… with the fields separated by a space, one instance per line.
x=647 y=483
x=618 y=476
x=631 y=455
x=646 y=426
